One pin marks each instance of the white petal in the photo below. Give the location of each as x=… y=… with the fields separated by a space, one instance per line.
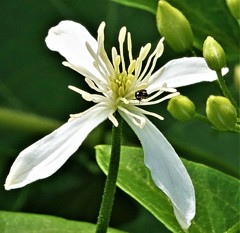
x=47 y=155
x=69 y=39
x=167 y=170
x=182 y=72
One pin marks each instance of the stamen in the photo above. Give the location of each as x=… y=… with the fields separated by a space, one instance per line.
x=168 y=89
x=93 y=85
x=87 y=96
x=96 y=65
x=121 y=39
x=99 y=105
x=129 y=44
x=144 y=51
x=142 y=56
x=128 y=84
x=85 y=73
x=113 y=119
x=141 y=86
x=101 y=49
x=131 y=67
x=121 y=91
x=159 y=51
x=150 y=113
x=169 y=96
x=101 y=31
x=125 y=101
x=134 y=117
x=160 y=47
x=75 y=115
x=114 y=54
x=98 y=61
x=117 y=64
x=114 y=87
x=99 y=98
x=154 y=54
x=154 y=96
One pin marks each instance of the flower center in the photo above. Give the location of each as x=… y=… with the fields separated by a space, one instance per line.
x=123 y=87
x=122 y=81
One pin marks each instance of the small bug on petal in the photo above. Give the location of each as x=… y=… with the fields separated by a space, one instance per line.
x=141 y=94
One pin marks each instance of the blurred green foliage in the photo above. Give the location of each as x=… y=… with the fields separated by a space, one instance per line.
x=33 y=81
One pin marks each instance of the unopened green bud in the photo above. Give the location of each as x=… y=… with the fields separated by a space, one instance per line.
x=221 y=113
x=237 y=77
x=174 y=26
x=214 y=54
x=234 y=7
x=181 y=108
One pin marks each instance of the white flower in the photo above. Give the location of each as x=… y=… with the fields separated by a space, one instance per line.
x=123 y=88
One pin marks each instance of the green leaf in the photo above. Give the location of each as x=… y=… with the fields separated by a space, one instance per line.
x=217 y=194
x=25 y=223
x=148 y=5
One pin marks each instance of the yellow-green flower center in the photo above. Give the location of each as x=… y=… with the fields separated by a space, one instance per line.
x=120 y=84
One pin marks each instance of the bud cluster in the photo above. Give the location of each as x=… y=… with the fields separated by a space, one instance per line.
x=220 y=111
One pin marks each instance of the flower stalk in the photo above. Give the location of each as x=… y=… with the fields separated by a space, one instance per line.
x=110 y=185
x=202 y=118
x=226 y=91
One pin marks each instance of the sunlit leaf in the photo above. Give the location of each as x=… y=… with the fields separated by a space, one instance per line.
x=27 y=223
x=217 y=194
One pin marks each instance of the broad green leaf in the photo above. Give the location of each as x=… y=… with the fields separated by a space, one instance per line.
x=11 y=222
x=217 y=194
x=148 y=5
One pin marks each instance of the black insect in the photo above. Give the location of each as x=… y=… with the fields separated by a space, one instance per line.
x=141 y=94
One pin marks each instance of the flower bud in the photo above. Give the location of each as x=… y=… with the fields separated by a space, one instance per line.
x=214 y=54
x=237 y=77
x=221 y=113
x=174 y=26
x=234 y=7
x=181 y=108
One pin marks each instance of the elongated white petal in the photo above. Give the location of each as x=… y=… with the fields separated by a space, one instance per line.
x=182 y=72
x=167 y=170
x=69 y=39
x=47 y=155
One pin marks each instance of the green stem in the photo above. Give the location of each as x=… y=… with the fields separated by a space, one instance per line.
x=226 y=91
x=202 y=118
x=110 y=185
